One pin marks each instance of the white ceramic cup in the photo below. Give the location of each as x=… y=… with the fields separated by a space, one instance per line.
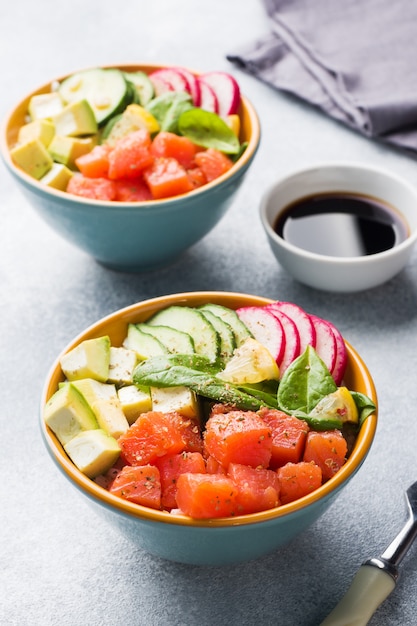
x=341 y=274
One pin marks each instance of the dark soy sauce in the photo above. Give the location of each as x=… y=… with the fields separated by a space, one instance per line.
x=341 y=225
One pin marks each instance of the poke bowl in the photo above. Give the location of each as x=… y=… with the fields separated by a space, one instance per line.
x=82 y=150
x=201 y=514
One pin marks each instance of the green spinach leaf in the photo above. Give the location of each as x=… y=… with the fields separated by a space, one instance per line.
x=208 y=130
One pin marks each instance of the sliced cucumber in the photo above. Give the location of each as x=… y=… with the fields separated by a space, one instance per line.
x=241 y=332
x=106 y=90
x=174 y=340
x=225 y=332
x=190 y=321
x=143 y=86
x=144 y=344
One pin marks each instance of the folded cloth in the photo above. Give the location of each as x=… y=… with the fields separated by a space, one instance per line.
x=354 y=59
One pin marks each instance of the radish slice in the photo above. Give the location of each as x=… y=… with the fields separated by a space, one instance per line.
x=303 y=322
x=193 y=84
x=226 y=89
x=265 y=327
x=168 y=79
x=325 y=342
x=292 y=338
x=340 y=364
x=208 y=99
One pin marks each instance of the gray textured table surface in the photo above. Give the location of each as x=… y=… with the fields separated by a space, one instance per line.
x=59 y=564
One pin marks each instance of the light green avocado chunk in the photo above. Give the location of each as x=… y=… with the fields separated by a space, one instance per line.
x=93 y=452
x=32 y=157
x=44 y=130
x=75 y=119
x=66 y=150
x=58 y=177
x=67 y=413
x=90 y=359
x=105 y=404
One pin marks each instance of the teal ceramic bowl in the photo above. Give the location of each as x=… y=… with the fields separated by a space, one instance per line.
x=133 y=236
x=210 y=542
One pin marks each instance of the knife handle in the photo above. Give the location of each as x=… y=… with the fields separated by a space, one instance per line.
x=370 y=587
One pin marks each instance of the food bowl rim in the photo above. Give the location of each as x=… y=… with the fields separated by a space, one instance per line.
x=105 y=498
x=36 y=186
x=314 y=256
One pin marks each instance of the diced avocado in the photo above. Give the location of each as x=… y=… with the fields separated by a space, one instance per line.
x=45 y=106
x=105 y=404
x=143 y=344
x=134 y=401
x=67 y=413
x=122 y=364
x=75 y=120
x=57 y=177
x=44 y=130
x=180 y=399
x=90 y=359
x=135 y=117
x=93 y=452
x=66 y=149
x=32 y=157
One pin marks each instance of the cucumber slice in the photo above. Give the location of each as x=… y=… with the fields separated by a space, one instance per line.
x=143 y=86
x=227 y=338
x=190 y=321
x=106 y=90
x=142 y=343
x=241 y=332
x=174 y=340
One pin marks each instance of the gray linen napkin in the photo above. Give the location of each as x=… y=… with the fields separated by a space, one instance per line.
x=354 y=59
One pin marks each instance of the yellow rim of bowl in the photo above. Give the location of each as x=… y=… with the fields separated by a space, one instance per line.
x=250 y=126
x=358 y=379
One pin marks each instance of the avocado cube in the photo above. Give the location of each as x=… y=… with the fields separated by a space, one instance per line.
x=44 y=130
x=66 y=150
x=33 y=158
x=122 y=364
x=105 y=404
x=180 y=399
x=45 y=106
x=134 y=401
x=93 y=452
x=90 y=359
x=67 y=413
x=75 y=119
x=57 y=177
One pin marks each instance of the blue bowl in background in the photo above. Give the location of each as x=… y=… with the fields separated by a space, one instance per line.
x=129 y=236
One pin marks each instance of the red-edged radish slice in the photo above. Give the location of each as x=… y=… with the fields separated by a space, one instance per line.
x=226 y=89
x=193 y=85
x=265 y=327
x=208 y=99
x=340 y=364
x=325 y=342
x=303 y=322
x=168 y=79
x=160 y=85
x=292 y=338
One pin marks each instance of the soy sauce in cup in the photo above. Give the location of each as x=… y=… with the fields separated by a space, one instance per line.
x=341 y=225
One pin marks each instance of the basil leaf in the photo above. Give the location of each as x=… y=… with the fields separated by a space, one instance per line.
x=304 y=383
x=168 y=107
x=364 y=404
x=208 y=130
